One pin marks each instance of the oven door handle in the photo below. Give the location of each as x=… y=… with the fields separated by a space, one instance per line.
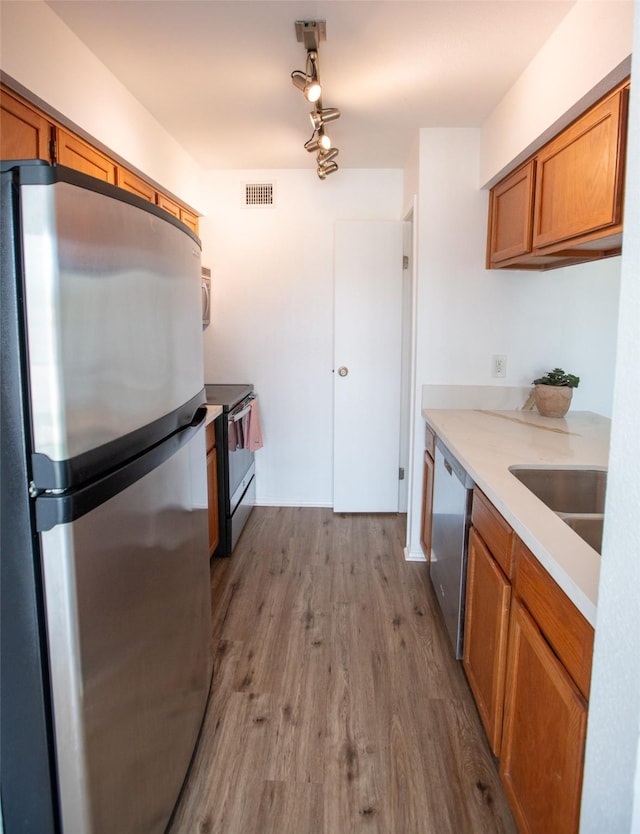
x=238 y=415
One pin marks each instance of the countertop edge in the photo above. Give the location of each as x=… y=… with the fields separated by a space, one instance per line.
x=213 y=411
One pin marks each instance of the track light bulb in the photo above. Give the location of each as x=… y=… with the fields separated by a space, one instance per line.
x=321 y=144
x=313 y=91
x=310 y=88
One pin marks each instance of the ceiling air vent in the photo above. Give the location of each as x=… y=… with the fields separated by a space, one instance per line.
x=258 y=194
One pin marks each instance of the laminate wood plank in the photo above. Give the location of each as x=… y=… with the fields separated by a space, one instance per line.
x=299 y=803
x=336 y=706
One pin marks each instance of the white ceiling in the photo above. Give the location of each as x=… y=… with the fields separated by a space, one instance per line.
x=216 y=73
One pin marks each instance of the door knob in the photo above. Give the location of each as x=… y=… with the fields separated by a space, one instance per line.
x=343 y=371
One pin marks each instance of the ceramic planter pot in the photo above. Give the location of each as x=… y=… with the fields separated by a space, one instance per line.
x=553 y=400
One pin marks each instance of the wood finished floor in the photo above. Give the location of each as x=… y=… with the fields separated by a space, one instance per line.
x=336 y=704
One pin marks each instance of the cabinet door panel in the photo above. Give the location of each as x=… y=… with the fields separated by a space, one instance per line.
x=25 y=133
x=79 y=155
x=133 y=183
x=563 y=626
x=579 y=182
x=189 y=219
x=486 y=632
x=427 y=506
x=169 y=205
x=510 y=215
x=543 y=736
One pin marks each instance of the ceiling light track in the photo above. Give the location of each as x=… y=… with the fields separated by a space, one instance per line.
x=310 y=33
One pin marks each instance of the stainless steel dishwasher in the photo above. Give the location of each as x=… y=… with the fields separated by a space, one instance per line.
x=452 y=492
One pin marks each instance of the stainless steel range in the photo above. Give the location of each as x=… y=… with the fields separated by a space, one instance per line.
x=236 y=465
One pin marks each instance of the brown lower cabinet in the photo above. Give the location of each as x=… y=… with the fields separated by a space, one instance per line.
x=487 y=628
x=212 y=484
x=527 y=657
x=545 y=724
x=427 y=493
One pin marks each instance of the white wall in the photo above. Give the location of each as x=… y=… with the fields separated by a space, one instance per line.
x=272 y=311
x=411 y=175
x=564 y=317
x=41 y=53
x=586 y=55
x=611 y=795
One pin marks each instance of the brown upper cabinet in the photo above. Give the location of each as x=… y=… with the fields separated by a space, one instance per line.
x=187 y=217
x=24 y=132
x=511 y=218
x=136 y=185
x=81 y=156
x=564 y=205
x=28 y=133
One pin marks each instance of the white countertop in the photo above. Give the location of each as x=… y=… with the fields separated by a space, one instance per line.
x=213 y=411
x=487 y=443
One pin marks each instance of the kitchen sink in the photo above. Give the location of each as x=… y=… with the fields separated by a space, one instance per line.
x=565 y=490
x=573 y=493
x=588 y=528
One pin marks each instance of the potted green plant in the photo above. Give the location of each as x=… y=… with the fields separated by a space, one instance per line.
x=553 y=392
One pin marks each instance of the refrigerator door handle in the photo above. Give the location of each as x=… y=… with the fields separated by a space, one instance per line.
x=62 y=508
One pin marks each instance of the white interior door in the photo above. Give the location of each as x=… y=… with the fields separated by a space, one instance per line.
x=367 y=365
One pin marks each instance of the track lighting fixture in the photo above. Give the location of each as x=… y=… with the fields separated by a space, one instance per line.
x=310 y=33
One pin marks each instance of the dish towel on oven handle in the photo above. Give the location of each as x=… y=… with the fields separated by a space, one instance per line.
x=251 y=428
x=232 y=436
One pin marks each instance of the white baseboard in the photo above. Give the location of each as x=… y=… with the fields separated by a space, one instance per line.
x=414 y=556
x=273 y=503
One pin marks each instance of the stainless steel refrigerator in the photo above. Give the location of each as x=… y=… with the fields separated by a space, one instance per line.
x=105 y=661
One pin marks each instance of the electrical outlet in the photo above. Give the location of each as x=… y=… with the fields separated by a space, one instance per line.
x=499 y=366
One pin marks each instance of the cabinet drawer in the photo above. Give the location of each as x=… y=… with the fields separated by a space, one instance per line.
x=497 y=534
x=565 y=629
x=211 y=435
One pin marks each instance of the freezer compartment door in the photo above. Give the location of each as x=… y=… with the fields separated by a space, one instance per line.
x=113 y=314
x=129 y=631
